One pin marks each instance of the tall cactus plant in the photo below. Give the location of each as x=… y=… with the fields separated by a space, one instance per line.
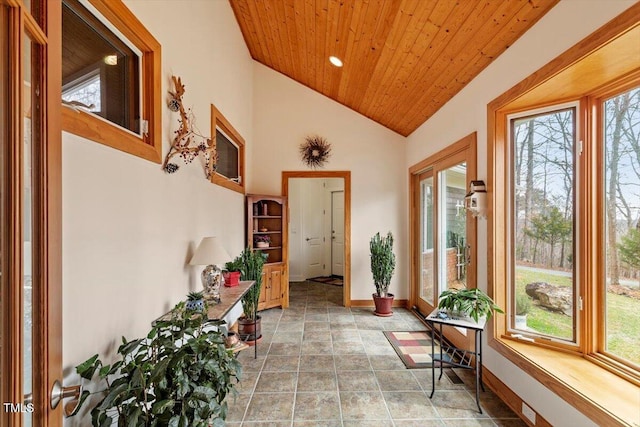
x=383 y=262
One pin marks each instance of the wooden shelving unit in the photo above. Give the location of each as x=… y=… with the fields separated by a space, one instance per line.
x=266 y=217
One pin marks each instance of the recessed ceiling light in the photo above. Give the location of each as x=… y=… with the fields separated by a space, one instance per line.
x=335 y=61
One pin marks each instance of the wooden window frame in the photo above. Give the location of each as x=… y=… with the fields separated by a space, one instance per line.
x=218 y=120
x=148 y=145
x=596 y=385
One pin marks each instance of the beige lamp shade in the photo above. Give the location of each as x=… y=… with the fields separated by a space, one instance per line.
x=210 y=252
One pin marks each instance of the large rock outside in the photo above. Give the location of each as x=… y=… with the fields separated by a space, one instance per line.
x=556 y=298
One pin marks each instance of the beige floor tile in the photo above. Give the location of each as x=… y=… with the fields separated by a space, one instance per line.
x=358 y=405
x=277 y=382
x=317 y=381
x=317 y=406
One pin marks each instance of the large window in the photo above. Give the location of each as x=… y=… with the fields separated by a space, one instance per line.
x=620 y=199
x=564 y=191
x=548 y=219
x=543 y=280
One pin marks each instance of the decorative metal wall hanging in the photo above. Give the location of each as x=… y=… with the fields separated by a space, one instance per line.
x=188 y=143
x=315 y=151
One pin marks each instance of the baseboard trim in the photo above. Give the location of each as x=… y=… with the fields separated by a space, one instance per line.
x=510 y=398
x=403 y=303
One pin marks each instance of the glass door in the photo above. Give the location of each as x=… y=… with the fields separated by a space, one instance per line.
x=426 y=256
x=30 y=212
x=443 y=233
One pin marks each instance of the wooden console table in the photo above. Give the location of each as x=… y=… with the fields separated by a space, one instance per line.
x=464 y=357
x=229 y=308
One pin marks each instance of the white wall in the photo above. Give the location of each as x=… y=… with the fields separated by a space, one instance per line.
x=285 y=112
x=129 y=229
x=567 y=23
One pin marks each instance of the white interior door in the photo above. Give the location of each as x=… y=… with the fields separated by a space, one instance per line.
x=312 y=219
x=337 y=233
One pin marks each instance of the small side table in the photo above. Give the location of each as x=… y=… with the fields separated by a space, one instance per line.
x=438 y=317
x=228 y=309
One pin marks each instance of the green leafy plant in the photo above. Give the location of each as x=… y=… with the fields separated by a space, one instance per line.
x=179 y=375
x=251 y=263
x=383 y=262
x=523 y=304
x=234 y=265
x=471 y=302
x=195 y=296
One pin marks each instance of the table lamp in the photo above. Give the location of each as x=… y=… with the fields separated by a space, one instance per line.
x=211 y=253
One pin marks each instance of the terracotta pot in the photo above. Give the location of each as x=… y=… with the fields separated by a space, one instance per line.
x=383 y=305
x=231 y=278
x=249 y=331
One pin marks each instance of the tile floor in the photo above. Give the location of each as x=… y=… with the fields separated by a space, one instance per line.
x=320 y=364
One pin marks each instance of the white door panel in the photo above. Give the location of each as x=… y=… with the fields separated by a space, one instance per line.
x=312 y=219
x=337 y=233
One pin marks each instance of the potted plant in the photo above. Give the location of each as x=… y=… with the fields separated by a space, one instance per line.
x=232 y=273
x=262 y=241
x=523 y=306
x=473 y=303
x=180 y=374
x=251 y=263
x=383 y=263
x=195 y=301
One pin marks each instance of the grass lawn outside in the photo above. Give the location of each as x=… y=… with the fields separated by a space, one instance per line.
x=623 y=316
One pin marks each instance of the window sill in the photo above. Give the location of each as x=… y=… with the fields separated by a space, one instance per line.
x=599 y=394
x=226 y=183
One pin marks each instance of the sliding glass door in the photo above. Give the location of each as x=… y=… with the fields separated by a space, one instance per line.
x=443 y=233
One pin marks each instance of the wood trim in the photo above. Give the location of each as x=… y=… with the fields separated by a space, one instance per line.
x=219 y=120
x=602 y=396
x=346 y=176
x=450 y=150
x=12 y=182
x=49 y=317
x=615 y=28
x=509 y=397
x=402 y=303
x=576 y=378
x=95 y=128
x=464 y=149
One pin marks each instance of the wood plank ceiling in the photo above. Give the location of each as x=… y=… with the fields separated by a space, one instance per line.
x=403 y=59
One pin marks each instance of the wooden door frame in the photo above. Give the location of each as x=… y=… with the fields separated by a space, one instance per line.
x=46 y=213
x=346 y=176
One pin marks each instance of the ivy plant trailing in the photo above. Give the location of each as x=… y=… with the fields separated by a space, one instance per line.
x=383 y=262
x=179 y=375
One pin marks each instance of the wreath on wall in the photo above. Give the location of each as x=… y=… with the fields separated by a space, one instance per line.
x=315 y=151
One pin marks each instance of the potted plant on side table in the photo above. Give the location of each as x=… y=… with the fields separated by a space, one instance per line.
x=472 y=303
x=251 y=263
x=232 y=273
x=383 y=264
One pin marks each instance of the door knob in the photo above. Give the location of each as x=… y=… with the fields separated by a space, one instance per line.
x=58 y=393
x=307 y=238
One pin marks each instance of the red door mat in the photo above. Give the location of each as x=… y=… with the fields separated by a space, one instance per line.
x=414 y=348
